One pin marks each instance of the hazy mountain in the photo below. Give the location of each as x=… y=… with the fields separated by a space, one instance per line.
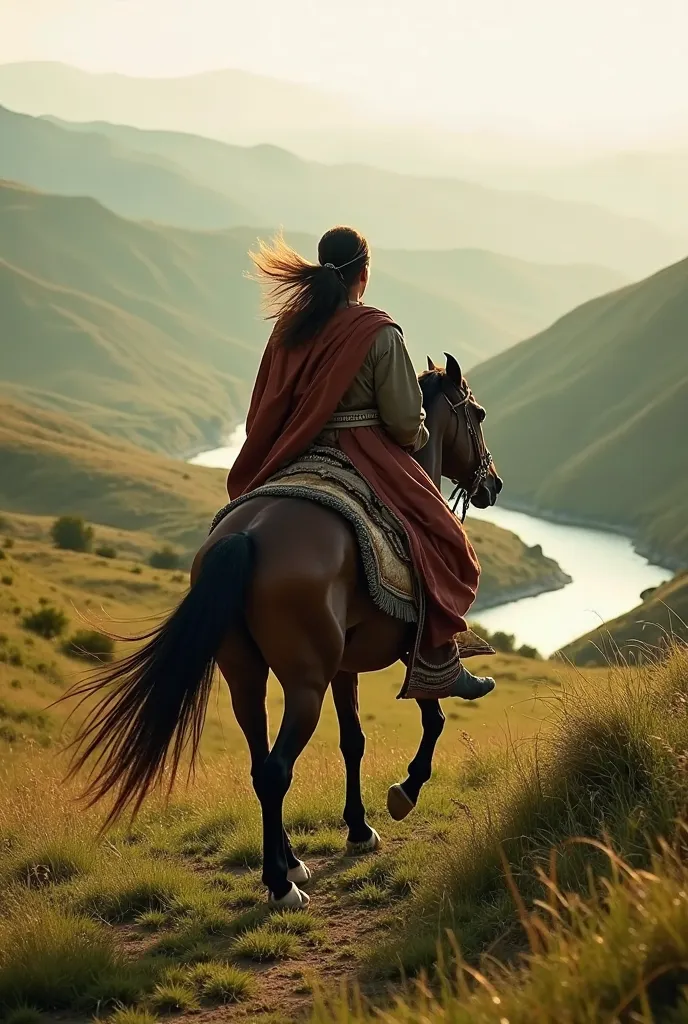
x=651 y=185
x=152 y=333
x=590 y=418
x=44 y=156
x=395 y=211
x=243 y=108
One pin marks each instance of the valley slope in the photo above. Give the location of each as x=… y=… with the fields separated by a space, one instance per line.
x=152 y=333
x=53 y=465
x=265 y=185
x=588 y=420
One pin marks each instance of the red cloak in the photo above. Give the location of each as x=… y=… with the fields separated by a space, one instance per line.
x=296 y=393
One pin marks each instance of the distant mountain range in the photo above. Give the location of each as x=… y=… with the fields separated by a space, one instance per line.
x=650 y=185
x=189 y=181
x=152 y=333
x=248 y=109
x=589 y=419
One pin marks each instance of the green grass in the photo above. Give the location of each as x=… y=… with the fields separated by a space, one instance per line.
x=132 y=1015
x=23 y=1015
x=221 y=983
x=265 y=944
x=139 y=886
x=47 y=957
x=173 y=997
x=52 y=863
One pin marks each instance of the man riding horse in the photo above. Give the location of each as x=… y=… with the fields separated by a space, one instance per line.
x=280 y=584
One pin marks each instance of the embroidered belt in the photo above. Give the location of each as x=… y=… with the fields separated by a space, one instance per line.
x=354 y=418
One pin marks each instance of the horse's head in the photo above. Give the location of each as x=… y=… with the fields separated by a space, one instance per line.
x=455 y=421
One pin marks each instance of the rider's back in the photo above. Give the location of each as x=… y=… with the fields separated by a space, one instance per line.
x=386 y=386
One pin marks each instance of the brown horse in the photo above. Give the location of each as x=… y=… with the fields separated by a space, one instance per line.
x=278 y=585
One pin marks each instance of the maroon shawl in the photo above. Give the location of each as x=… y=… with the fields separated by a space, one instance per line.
x=296 y=393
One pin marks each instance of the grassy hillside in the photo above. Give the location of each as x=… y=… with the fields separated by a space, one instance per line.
x=588 y=419
x=132 y=184
x=152 y=333
x=145 y=331
x=168 y=915
x=400 y=211
x=640 y=634
x=53 y=465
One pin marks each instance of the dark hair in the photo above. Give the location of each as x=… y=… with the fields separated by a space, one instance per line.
x=302 y=296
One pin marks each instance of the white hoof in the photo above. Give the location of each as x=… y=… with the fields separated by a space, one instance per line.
x=369 y=846
x=399 y=804
x=300 y=874
x=294 y=900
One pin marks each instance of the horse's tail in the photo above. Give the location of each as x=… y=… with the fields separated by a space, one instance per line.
x=154 y=701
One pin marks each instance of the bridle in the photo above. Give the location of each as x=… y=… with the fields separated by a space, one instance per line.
x=461 y=492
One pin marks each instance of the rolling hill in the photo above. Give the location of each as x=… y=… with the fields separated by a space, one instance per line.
x=54 y=465
x=269 y=186
x=589 y=419
x=127 y=326
x=637 y=635
x=247 y=109
x=44 y=156
x=152 y=333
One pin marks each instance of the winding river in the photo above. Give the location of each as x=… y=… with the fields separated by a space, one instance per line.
x=608 y=575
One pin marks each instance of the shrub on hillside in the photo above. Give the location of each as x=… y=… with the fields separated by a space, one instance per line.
x=71 y=533
x=526 y=651
x=89 y=644
x=8 y=543
x=47 y=622
x=106 y=551
x=164 y=558
x=504 y=642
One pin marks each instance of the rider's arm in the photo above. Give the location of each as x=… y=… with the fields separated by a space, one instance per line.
x=397 y=391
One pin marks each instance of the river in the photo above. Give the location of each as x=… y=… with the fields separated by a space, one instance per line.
x=608 y=575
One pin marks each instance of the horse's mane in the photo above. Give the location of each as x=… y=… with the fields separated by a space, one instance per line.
x=431 y=384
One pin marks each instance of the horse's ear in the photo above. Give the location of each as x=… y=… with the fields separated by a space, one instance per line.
x=431 y=365
x=453 y=370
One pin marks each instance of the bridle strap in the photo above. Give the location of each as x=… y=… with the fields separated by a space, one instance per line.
x=461 y=492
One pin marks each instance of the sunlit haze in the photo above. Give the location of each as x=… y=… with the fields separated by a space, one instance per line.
x=602 y=69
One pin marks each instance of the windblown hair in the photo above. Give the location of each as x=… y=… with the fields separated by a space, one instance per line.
x=303 y=296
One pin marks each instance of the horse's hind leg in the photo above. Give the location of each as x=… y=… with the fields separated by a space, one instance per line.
x=246 y=673
x=302 y=706
x=362 y=838
x=402 y=798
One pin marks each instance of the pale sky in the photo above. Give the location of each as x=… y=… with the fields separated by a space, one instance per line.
x=560 y=67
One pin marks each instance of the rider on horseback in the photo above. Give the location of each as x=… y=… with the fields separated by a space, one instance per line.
x=339 y=371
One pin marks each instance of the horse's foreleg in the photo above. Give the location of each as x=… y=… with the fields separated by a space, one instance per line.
x=402 y=798
x=362 y=838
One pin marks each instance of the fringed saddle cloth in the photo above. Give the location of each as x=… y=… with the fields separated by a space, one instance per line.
x=325 y=475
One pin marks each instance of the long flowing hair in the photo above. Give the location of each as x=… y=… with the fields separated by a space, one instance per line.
x=301 y=296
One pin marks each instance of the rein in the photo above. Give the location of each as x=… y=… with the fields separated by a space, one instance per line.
x=462 y=493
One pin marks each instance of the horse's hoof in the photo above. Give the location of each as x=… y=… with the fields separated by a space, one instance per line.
x=300 y=874
x=399 y=804
x=294 y=900
x=367 y=846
